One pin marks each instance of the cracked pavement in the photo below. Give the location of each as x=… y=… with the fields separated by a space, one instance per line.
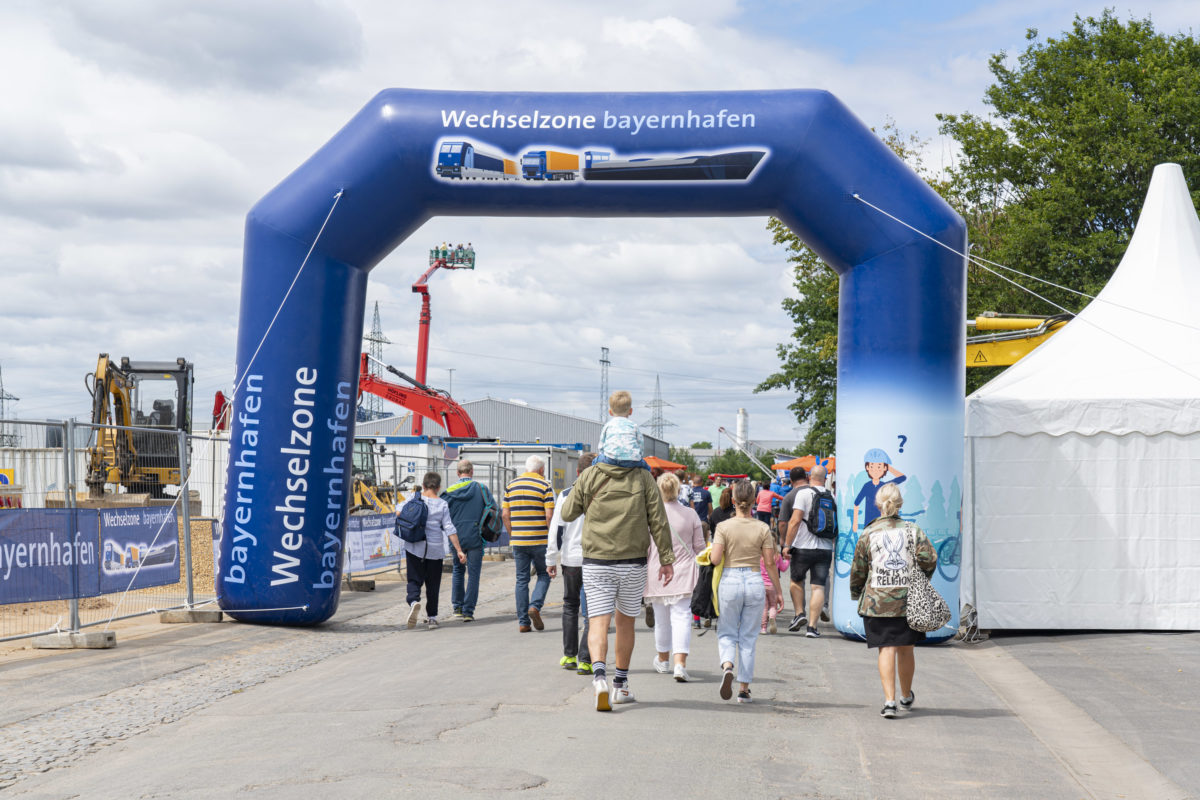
x=363 y=706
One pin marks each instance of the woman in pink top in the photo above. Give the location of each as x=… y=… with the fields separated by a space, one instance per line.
x=673 y=600
x=771 y=609
x=762 y=504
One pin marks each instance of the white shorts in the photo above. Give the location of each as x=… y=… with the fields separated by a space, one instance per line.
x=614 y=586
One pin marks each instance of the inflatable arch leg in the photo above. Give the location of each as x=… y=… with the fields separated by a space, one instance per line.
x=411 y=155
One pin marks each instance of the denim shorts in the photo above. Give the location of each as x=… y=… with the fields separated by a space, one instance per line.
x=811 y=561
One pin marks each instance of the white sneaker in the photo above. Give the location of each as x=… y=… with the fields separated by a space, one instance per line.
x=772 y=628
x=661 y=667
x=622 y=694
x=681 y=673
x=431 y=623
x=600 y=686
x=414 y=611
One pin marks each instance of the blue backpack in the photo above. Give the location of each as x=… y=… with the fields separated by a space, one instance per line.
x=410 y=522
x=822 y=514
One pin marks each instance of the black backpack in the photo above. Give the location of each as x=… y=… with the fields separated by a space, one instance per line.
x=410 y=522
x=491 y=525
x=822 y=514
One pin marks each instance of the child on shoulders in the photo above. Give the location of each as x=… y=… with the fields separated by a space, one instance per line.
x=620 y=440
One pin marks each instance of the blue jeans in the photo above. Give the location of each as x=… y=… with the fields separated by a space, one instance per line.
x=461 y=600
x=620 y=462
x=742 y=598
x=524 y=556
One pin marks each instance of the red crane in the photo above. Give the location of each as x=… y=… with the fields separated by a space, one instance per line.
x=443 y=257
x=420 y=399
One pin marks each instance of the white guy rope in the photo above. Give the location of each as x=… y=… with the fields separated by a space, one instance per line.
x=184 y=487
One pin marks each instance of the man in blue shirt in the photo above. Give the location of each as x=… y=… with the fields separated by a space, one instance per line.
x=701 y=503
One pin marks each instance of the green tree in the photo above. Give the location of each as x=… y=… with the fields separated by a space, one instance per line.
x=681 y=455
x=1052 y=180
x=702 y=445
x=809 y=359
x=735 y=462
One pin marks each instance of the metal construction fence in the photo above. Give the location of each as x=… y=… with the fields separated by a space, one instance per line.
x=408 y=471
x=71 y=558
x=74 y=555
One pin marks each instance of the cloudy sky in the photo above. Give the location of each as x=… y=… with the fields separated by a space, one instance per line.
x=136 y=134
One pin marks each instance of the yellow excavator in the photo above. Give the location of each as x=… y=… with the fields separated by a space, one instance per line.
x=1007 y=338
x=150 y=401
x=371 y=496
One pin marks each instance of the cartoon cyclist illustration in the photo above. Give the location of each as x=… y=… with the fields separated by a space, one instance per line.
x=877 y=464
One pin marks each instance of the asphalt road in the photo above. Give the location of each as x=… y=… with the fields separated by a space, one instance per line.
x=364 y=707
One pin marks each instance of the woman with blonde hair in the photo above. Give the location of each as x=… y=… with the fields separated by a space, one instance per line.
x=672 y=600
x=741 y=544
x=886 y=551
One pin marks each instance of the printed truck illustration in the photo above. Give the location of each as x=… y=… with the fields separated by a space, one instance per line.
x=549 y=165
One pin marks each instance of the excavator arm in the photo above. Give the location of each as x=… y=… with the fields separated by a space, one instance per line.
x=1006 y=339
x=420 y=399
x=114 y=456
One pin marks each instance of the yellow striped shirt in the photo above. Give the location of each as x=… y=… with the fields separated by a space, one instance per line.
x=529 y=500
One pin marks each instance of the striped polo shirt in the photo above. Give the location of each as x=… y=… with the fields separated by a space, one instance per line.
x=528 y=500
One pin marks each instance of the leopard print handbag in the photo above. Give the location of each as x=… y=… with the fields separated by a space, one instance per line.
x=927 y=610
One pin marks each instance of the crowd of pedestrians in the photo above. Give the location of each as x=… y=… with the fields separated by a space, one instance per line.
x=626 y=538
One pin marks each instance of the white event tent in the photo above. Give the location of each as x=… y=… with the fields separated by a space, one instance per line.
x=1082 y=498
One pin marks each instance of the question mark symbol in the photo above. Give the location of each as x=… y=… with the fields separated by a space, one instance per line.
x=902 y=439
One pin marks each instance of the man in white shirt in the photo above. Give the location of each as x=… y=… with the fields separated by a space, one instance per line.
x=566 y=543
x=810 y=554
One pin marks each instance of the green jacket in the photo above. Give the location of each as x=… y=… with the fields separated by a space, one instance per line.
x=622 y=513
x=882 y=558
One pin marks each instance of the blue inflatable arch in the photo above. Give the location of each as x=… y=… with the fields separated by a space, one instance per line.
x=412 y=155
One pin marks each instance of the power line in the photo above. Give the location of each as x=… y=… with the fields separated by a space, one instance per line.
x=376 y=340
x=7 y=439
x=604 y=364
x=492 y=357
x=656 y=423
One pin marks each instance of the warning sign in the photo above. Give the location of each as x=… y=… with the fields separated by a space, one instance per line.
x=980 y=358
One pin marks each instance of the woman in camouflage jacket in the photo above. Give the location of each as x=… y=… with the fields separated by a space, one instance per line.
x=879 y=581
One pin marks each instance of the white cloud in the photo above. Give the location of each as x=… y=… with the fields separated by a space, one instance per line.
x=137 y=134
x=264 y=45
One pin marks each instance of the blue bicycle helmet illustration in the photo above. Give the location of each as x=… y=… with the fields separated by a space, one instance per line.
x=876 y=456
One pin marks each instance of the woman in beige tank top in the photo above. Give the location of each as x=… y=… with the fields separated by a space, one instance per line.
x=740 y=543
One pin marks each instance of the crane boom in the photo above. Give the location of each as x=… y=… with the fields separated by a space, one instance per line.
x=749 y=455
x=419 y=399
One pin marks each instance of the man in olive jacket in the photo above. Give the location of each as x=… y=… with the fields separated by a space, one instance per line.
x=623 y=509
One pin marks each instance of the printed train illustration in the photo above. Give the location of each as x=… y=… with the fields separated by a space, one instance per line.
x=132 y=556
x=461 y=160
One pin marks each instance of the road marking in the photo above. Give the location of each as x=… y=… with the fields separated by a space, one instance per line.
x=1103 y=765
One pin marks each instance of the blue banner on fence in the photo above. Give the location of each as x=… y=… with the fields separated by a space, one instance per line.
x=140 y=548
x=371 y=542
x=48 y=554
